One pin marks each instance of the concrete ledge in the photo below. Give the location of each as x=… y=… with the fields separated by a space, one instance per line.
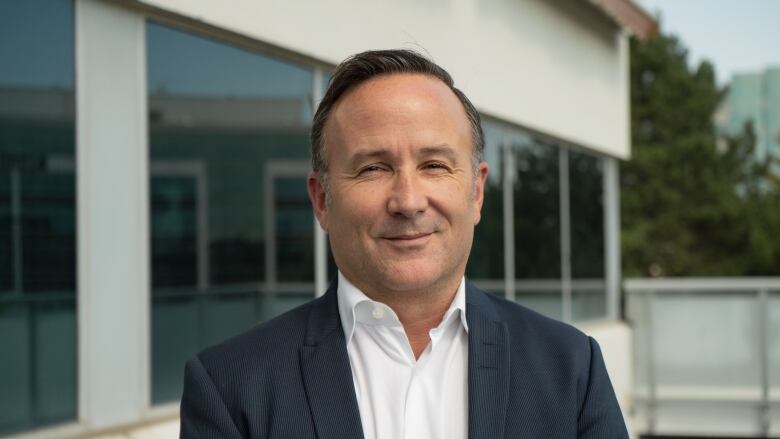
x=168 y=429
x=614 y=338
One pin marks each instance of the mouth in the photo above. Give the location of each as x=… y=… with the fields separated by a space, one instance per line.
x=408 y=237
x=408 y=240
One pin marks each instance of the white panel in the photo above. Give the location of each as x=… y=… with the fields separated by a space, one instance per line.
x=690 y=351
x=557 y=66
x=717 y=419
x=615 y=341
x=112 y=214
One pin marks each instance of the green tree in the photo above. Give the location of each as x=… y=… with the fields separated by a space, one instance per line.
x=688 y=209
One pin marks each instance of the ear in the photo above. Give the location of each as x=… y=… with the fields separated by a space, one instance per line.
x=479 y=190
x=317 y=197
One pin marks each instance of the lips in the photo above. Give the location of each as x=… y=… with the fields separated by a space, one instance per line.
x=408 y=241
x=408 y=237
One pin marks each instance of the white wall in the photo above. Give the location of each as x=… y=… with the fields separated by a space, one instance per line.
x=615 y=341
x=556 y=66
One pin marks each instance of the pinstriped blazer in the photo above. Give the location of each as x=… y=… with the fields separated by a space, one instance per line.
x=528 y=377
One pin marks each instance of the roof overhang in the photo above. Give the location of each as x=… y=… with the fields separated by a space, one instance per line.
x=629 y=15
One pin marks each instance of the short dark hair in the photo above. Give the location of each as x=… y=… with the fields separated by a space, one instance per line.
x=361 y=67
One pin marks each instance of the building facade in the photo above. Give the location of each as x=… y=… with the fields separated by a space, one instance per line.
x=755 y=98
x=153 y=157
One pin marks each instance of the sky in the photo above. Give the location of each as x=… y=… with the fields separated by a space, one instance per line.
x=737 y=36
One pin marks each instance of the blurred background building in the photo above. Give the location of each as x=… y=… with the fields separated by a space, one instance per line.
x=754 y=98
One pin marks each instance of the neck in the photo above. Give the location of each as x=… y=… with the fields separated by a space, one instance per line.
x=419 y=311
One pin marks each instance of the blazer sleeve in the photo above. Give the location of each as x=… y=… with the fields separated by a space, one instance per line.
x=600 y=416
x=203 y=412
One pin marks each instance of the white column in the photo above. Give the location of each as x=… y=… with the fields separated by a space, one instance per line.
x=565 y=218
x=113 y=214
x=320 y=238
x=508 y=184
x=612 y=236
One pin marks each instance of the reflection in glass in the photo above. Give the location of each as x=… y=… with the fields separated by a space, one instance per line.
x=486 y=262
x=173 y=230
x=37 y=215
x=586 y=201
x=536 y=215
x=325 y=77
x=537 y=224
x=232 y=230
x=294 y=230
x=537 y=211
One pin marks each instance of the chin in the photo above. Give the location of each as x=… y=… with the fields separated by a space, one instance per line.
x=411 y=277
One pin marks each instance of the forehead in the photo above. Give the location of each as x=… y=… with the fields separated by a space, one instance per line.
x=402 y=87
x=398 y=103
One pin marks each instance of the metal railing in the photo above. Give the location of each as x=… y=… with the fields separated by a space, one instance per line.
x=38 y=371
x=706 y=355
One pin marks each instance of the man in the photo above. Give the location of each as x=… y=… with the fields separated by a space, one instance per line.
x=400 y=346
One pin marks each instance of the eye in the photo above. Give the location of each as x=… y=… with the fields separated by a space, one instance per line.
x=436 y=167
x=370 y=170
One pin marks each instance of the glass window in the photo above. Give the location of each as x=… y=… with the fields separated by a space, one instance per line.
x=537 y=224
x=37 y=215
x=325 y=77
x=232 y=228
x=586 y=206
x=486 y=262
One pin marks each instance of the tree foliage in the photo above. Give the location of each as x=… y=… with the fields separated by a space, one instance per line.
x=687 y=208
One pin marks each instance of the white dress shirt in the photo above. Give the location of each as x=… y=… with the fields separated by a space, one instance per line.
x=401 y=397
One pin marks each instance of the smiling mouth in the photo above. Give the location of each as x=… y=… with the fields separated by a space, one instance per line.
x=416 y=241
x=408 y=237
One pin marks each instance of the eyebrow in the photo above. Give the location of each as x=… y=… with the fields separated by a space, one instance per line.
x=426 y=151
x=366 y=154
x=443 y=149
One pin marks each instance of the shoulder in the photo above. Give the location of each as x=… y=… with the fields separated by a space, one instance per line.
x=235 y=384
x=554 y=369
x=520 y=317
x=261 y=348
x=532 y=332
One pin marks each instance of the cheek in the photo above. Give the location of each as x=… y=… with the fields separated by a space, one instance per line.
x=454 y=203
x=356 y=212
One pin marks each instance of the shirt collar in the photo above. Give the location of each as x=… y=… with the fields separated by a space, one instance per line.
x=351 y=301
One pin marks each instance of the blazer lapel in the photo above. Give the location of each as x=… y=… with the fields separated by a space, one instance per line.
x=327 y=375
x=488 y=364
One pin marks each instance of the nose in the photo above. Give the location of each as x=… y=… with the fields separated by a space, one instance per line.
x=408 y=198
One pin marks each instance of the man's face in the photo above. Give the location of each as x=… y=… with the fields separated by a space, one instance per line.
x=404 y=198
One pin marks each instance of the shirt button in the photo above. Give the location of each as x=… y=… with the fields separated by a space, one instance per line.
x=377 y=313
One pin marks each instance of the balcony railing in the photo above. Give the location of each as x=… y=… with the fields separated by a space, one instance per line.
x=706 y=355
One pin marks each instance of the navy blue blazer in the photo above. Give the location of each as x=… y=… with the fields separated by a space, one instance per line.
x=528 y=377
